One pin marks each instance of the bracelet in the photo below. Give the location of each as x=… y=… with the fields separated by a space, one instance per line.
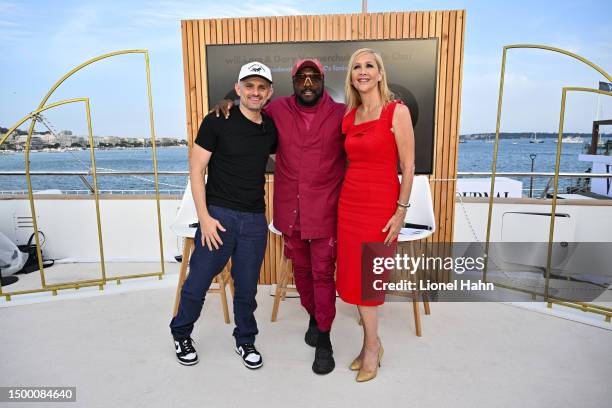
x=403 y=205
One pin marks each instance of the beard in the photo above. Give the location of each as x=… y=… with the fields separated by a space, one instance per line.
x=312 y=101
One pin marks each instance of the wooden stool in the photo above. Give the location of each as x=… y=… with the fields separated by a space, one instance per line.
x=282 y=279
x=415 y=295
x=223 y=279
x=419 y=224
x=415 y=299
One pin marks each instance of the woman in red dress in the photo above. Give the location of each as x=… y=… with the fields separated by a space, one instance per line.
x=372 y=204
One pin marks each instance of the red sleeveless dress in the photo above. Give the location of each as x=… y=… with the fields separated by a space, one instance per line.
x=368 y=197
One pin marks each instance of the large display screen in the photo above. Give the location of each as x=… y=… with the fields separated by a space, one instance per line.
x=411 y=67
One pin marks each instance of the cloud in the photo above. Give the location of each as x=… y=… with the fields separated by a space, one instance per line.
x=8 y=24
x=64 y=36
x=88 y=29
x=10 y=30
x=7 y=6
x=174 y=11
x=596 y=48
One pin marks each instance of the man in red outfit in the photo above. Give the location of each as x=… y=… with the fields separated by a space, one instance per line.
x=310 y=164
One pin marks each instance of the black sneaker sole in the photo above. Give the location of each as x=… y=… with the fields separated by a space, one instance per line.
x=318 y=371
x=250 y=367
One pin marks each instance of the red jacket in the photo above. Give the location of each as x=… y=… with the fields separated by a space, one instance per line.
x=309 y=167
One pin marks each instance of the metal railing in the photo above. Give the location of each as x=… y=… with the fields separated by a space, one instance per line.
x=536 y=192
x=186 y=173
x=102 y=192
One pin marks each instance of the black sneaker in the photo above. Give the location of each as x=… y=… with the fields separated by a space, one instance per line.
x=312 y=334
x=250 y=356
x=185 y=353
x=324 y=355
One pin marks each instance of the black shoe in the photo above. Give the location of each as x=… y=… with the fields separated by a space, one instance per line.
x=312 y=334
x=185 y=352
x=250 y=356
x=324 y=355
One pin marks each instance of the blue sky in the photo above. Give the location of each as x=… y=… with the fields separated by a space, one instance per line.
x=41 y=40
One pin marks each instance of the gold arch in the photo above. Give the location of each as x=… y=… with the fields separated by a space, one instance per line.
x=152 y=127
x=565 y=90
x=90 y=282
x=496 y=146
x=41 y=107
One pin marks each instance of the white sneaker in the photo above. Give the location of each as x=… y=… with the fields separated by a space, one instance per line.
x=185 y=352
x=250 y=356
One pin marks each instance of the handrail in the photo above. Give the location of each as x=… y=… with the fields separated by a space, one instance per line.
x=99 y=173
x=186 y=172
x=533 y=174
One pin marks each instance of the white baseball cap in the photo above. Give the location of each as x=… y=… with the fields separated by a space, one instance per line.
x=255 y=69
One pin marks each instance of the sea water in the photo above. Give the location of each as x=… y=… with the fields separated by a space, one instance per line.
x=474 y=156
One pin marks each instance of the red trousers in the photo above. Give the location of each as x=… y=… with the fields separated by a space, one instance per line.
x=314 y=264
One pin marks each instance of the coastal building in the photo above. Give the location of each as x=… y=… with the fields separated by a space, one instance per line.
x=68 y=140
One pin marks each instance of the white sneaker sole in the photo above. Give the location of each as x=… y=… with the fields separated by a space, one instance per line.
x=250 y=367
x=188 y=363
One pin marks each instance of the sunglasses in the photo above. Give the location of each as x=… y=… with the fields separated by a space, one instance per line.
x=315 y=78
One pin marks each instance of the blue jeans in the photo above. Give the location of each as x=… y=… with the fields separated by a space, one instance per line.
x=244 y=241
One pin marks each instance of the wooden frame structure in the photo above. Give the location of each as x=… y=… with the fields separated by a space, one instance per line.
x=447 y=26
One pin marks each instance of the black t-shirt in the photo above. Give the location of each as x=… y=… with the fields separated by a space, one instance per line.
x=240 y=150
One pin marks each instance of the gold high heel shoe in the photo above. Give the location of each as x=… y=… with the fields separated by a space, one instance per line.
x=356 y=364
x=367 y=376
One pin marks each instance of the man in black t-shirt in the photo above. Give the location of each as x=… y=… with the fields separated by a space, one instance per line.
x=230 y=211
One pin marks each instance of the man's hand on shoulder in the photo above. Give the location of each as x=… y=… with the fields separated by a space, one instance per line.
x=223 y=107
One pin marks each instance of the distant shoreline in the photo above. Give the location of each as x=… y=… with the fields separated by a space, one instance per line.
x=529 y=135
x=76 y=149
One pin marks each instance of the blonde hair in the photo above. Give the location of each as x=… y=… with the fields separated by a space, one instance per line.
x=353 y=99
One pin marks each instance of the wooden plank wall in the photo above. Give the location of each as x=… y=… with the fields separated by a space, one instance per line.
x=447 y=26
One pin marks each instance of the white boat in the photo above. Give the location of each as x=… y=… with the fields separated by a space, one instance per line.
x=571 y=140
x=535 y=139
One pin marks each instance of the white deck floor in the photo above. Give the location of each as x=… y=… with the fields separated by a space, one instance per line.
x=116 y=349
